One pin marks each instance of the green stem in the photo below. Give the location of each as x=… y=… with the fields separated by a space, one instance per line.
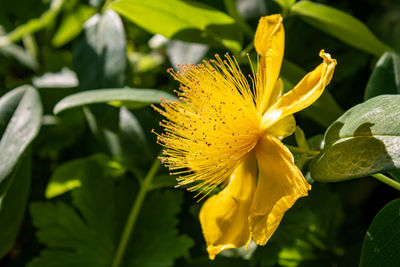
x=387 y=180
x=130 y=223
x=302 y=150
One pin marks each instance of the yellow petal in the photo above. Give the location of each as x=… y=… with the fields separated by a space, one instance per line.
x=283 y=127
x=276 y=93
x=269 y=42
x=224 y=217
x=280 y=184
x=306 y=92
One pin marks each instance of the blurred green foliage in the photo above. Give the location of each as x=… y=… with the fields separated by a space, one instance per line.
x=80 y=182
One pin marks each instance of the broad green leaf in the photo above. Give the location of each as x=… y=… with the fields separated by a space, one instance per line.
x=364 y=141
x=381 y=243
x=20 y=121
x=87 y=233
x=72 y=25
x=184 y=20
x=69 y=175
x=156 y=241
x=132 y=98
x=325 y=110
x=341 y=25
x=99 y=53
x=385 y=79
x=12 y=206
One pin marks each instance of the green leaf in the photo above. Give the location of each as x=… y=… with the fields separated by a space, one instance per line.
x=185 y=20
x=325 y=110
x=385 y=79
x=381 y=243
x=156 y=241
x=12 y=209
x=69 y=175
x=364 y=141
x=341 y=25
x=99 y=53
x=72 y=25
x=20 y=121
x=132 y=98
x=87 y=234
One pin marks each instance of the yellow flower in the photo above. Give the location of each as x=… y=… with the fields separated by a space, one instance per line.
x=225 y=130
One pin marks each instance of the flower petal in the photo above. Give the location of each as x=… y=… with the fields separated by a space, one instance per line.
x=280 y=184
x=283 y=127
x=269 y=42
x=276 y=93
x=306 y=92
x=224 y=217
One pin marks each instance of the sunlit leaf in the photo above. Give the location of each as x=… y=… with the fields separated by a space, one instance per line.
x=364 y=141
x=69 y=175
x=20 y=121
x=132 y=98
x=184 y=20
x=341 y=25
x=381 y=243
x=385 y=79
x=72 y=25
